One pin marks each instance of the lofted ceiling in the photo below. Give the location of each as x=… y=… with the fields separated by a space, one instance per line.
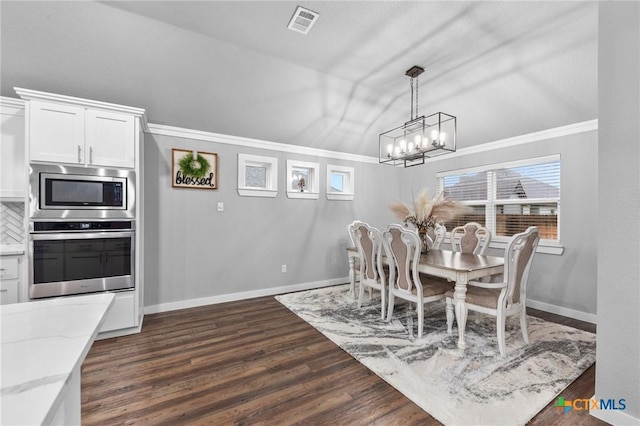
x=503 y=68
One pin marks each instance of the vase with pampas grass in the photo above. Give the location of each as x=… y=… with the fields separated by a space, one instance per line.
x=426 y=212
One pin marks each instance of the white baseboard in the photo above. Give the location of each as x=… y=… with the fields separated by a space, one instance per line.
x=565 y=312
x=212 y=300
x=614 y=417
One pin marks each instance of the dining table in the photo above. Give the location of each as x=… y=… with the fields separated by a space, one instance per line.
x=459 y=268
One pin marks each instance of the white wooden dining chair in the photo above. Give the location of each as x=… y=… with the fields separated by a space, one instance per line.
x=356 y=260
x=437 y=235
x=470 y=238
x=368 y=241
x=508 y=297
x=402 y=248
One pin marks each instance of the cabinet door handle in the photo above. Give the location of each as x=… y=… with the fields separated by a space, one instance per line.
x=3 y=290
x=79 y=155
x=90 y=155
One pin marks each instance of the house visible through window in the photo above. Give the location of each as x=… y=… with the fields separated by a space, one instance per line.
x=509 y=197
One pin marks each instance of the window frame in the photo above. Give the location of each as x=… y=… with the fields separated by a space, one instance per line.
x=313 y=186
x=270 y=163
x=548 y=246
x=348 y=193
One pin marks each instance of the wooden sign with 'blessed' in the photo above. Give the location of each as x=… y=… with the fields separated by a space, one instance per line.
x=194 y=169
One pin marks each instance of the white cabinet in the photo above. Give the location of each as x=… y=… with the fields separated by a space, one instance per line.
x=9 y=279
x=73 y=134
x=123 y=313
x=12 y=150
x=110 y=139
x=62 y=129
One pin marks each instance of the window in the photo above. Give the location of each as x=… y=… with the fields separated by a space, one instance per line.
x=303 y=179
x=509 y=197
x=340 y=183
x=257 y=176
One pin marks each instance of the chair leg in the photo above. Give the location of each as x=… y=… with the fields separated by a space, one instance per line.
x=390 y=306
x=420 y=309
x=500 y=323
x=477 y=317
x=383 y=303
x=449 y=315
x=523 y=325
x=360 y=295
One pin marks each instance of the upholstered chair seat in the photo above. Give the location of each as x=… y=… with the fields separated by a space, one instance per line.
x=402 y=248
x=504 y=298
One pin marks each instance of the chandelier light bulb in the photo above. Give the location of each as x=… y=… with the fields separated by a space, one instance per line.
x=419 y=138
x=443 y=136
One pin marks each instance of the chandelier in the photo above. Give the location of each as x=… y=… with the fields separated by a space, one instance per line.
x=420 y=137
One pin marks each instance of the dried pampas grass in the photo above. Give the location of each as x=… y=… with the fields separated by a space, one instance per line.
x=427 y=212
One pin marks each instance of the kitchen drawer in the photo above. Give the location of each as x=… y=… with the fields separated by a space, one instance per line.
x=8 y=268
x=8 y=292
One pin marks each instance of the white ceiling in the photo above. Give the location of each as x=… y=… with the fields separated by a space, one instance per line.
x=503 y=68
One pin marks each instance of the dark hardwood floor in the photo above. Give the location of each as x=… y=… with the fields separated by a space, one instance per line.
x=254 y=362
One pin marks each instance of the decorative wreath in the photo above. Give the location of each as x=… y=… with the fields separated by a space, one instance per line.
x=197 y=167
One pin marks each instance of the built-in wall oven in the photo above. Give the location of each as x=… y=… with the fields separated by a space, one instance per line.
x=73 y=257
x=81 y=230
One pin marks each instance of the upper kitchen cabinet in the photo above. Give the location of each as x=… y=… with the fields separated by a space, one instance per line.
x=63 y=129
x=12 y=150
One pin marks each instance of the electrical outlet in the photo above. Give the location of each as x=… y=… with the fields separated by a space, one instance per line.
x=284 y=268
x=220 y=206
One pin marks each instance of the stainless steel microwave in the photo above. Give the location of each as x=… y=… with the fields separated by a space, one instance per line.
x=69 y=192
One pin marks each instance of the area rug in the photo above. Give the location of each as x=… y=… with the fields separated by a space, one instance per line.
x=472 y=387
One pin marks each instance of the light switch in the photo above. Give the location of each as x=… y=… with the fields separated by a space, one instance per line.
x=220 y=206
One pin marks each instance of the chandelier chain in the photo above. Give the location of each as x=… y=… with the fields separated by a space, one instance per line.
x=414 y=116
x=411 y=103
x=416 y=98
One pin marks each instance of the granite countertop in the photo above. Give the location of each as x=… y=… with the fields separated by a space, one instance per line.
x=43 y=342
x=6 y=249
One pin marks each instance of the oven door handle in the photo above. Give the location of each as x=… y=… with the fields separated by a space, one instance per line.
x=81 y=235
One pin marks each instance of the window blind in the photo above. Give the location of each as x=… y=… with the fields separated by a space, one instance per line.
x=509 y=197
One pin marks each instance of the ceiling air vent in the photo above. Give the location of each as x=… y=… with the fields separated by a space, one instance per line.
x=302 y=20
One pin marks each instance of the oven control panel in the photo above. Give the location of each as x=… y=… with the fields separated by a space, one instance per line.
x=82 y=226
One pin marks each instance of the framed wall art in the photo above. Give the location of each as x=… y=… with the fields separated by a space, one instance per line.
x=194 y=169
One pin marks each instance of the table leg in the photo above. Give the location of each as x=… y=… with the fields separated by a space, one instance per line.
x=352 y=276
x=459 y=297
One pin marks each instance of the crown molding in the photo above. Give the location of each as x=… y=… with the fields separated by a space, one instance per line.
x=180 y=132
x=31 y=95
x=161 y=129
x=556 y=132
x=11 y=102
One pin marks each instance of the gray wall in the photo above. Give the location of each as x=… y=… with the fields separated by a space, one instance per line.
x=197 y=250
x=193 y=251
x=618 y=356
x=569 y=280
